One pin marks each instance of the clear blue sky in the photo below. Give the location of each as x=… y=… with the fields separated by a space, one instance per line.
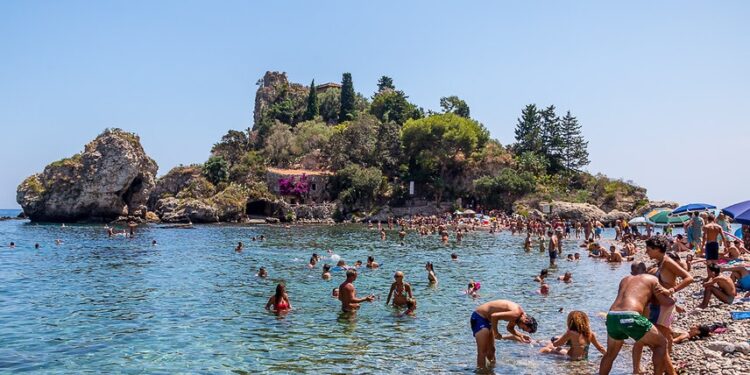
x=661 y=88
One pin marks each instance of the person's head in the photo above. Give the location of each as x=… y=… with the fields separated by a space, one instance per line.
x=699 y=331
x=351 y=274
x=326 y=267
x=578 y=321
x=612 y=249
x=550 y=233
x=679 y=236
x=711 y=218
x=341 y=263
x=637 y=268
x=262 y=271
x=239 y=244
x=567 y=275
x=544 y=288
x=12 y=244
x=570 y=256
x=280 y=291
x=543 y=273
x=357 y=263
x=428 y=266
x=577 y=255
x=656 y=244
x=36 y=245
x=527 y=323
x=454 y=256
x=398 y=276
x=714 y=269
x=370 y=259
x=335 y=292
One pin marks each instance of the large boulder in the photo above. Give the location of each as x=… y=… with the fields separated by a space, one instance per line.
x=112 y=177
x=654 y=205
x=575 y=211
x=178 y=179
x=173 y=210
x=615 y=215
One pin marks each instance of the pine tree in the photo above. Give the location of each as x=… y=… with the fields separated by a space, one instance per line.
x=385 y=83
x=529 y=131
x=575 y=151
x=346 y=113
x=312 y=103
x=553 y=141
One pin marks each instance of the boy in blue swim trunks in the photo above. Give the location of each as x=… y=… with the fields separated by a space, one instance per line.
x=625 y=321
x=484 y=322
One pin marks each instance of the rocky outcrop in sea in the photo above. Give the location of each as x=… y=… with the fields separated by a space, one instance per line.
x=111 y=178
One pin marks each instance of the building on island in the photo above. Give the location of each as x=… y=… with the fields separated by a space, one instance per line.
x=299 y=185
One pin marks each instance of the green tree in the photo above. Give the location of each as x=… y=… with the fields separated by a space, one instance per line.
x=575 y=152
x=312 y=103
x=533 y=163
x=280 y=148
x=388 y=149
x=216 y=170
x=250 y=168
x=312 y=135
x=353 y=142
x=392 y=105
x=502 y=190
x=329 y=105
x=385 y=83
x=437 y=145
x=529 y=131
x=346 y=113
x=552 y=139
x=232 y=146
x=356 y=186
x=453 y=104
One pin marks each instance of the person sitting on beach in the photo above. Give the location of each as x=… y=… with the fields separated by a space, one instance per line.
x=731 y=253
x=262 y=272
x=431 y=278
x=567 y=277
x=348 y=294
x=614 y=255
x=239 y=247
x=280 y=300
x=625 y=321
x=326 y=272
x=578 y=337
x=472 y=288
x=542 y=275
x=680 y=244
x=484 y=321
x=717 y=285
x=740 y=276
x=400 y=290
x=371 y=262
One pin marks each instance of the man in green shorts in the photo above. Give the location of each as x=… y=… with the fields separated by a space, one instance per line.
x=625 y=320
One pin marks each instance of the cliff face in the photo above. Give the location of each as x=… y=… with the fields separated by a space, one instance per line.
x=111 y=178
x=285 y=101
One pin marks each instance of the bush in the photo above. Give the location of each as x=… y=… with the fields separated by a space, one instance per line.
x=216 y=170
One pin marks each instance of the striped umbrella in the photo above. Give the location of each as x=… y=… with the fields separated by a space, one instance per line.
x=661 y=216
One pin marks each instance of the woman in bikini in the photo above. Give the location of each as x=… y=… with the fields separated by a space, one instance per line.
x=431 y=273
x=400 y=291
x=280 y=300
x=578 y=338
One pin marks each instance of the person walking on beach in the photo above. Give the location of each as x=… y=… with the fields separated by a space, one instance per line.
x=348 y=294
x=484 y=321
x=696 y=228
x=624 y=320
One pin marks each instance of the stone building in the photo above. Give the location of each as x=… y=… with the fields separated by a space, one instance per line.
x=317 y=181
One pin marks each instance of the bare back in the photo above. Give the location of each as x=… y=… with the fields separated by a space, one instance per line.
x=635 y=292
x=712 y=231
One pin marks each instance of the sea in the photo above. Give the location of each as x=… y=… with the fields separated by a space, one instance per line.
x=191 y=304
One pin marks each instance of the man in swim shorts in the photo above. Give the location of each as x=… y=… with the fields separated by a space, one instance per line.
x=624 y=320
x=552 y=248
x=711 y=233
x=484 y=322
x=348 y=294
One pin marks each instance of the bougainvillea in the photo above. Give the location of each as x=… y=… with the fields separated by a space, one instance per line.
x=293 y=186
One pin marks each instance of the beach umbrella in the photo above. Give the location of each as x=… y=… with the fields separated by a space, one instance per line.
x=692 y=207
x=458 y=212
x=662 y=216
x=470 y=212
x=640 y=220
x=739 y=212
x=738 y=233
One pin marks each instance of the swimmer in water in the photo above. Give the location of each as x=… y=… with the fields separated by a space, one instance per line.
x=280 y=300
x=472 y=288
x=567 y=278
x=12 y=245
x=544 y=289
x=400 y=290
x=262 y=272
x=335 y=293
x=577 y=256
x=58 y=241
x=239 y=247
x=382 y=234
x=431 y=278
x=371 y=262
x=313 y=260
x=37 y=246
x=153 y=243
x=542 y=275
x=326 y=272
x=527 y=242
x=454 y=256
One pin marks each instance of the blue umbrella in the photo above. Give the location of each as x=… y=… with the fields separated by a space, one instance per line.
x=740 y=212
x=738 y=233
x=692 y=207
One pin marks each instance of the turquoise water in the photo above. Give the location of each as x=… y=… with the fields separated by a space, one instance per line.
x=191 y=304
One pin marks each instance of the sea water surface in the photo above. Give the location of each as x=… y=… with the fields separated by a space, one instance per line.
x=192 y=304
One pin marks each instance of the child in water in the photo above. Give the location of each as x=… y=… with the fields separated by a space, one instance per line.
x=411 y=305
x=473 y=287
x=578 y=338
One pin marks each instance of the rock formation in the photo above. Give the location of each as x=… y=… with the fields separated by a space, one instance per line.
x=113 y=177
x=575 y=211
x=275 y=88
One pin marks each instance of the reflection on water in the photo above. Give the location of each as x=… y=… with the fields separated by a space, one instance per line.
x=192 y=303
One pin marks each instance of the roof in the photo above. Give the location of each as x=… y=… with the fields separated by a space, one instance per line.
x=328 y=85
x=298 y=172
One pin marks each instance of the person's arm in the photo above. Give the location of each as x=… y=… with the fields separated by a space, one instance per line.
x=514 y=335
x=687 y=279
x=270 y=302
x=496 y=317
x=561 y=340
x=681 y=337
x=407 y=286
x=710 y=282
x=289 y=303
x=597 y=345
x=388 y=300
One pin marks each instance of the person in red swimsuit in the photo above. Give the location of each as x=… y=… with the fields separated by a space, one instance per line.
x=280 y=300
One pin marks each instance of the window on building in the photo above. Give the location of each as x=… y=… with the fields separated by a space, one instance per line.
x=313 y=187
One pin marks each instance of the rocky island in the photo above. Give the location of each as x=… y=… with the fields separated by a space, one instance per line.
x=325 y=152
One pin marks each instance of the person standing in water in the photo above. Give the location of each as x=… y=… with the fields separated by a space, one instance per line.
x=400 y=290
x=280 y=300
x=484 y=321
x=553 y=246
x=431 y=278
x=348 y=294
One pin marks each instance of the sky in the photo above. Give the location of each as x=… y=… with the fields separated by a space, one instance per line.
x=660 y=88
